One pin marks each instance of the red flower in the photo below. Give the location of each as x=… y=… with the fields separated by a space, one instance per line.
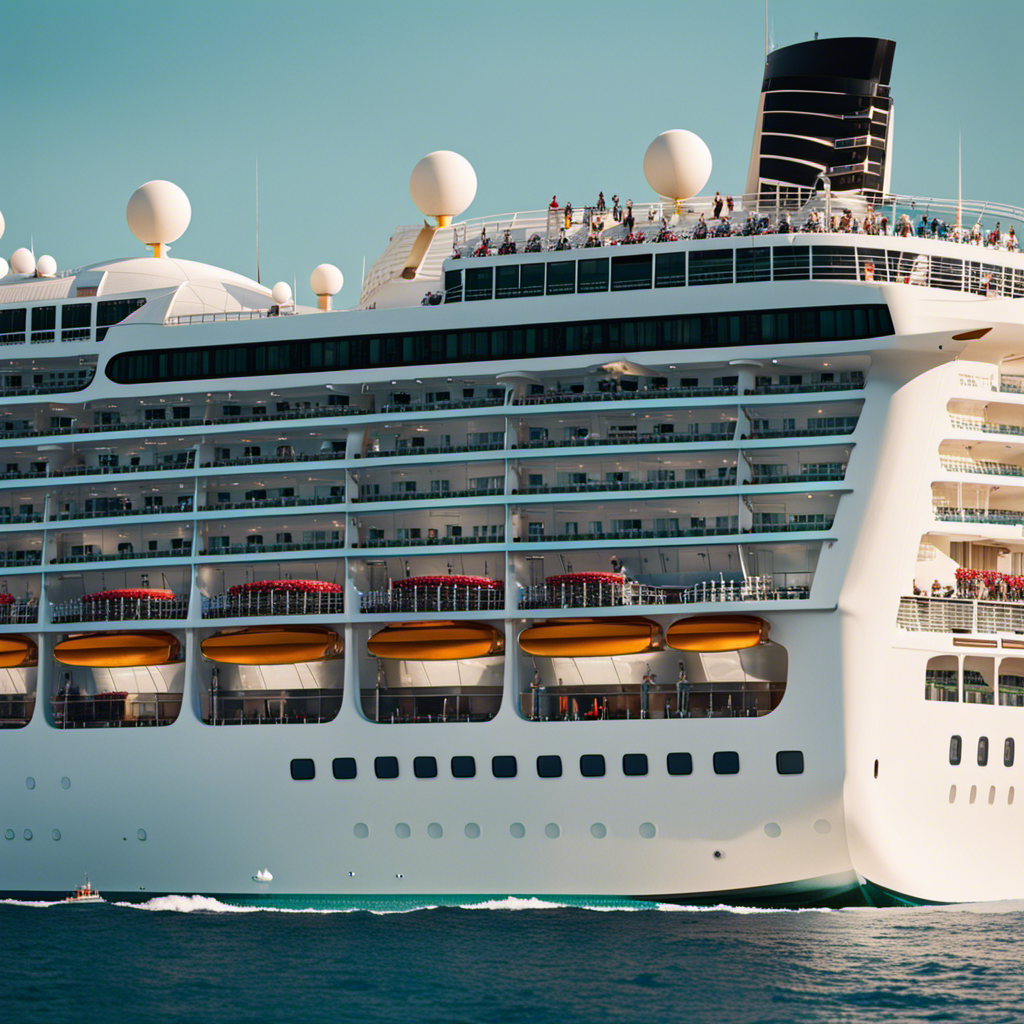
x=483 y=582
x=576 y=578
x=286 y=587
x=131 y=594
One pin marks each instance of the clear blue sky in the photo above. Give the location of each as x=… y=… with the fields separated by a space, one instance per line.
x=339 y=100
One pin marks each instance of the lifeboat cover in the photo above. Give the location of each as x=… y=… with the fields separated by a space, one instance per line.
x=281 y=645
x=588 y=638
x=117 y=650
x=435 y=641
x=717 y=633
x=17 y=651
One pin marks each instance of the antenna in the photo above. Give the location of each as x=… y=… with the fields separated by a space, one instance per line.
x=959 y=179
x=362 y=277
x=258 y=220
x=766 y=31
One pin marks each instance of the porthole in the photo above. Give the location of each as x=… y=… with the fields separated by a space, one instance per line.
x=9 y=834
x=424 y=767
x=1009 y=795
x=634 y=764
x=65 y=783
x=402 y=830
x=679 y=763
x=551 y=830
x=386 y=767
x=472 y=830
x=503 y=766
x=303 y=769
x=30 y=783
x=955 y=750
x=991 y=795
x=142 y=835
x=952 y=794
x=789 y=762
x=648 y=830
x=822 y=827
x=592 y=765
x=463 y=766
x=974 y=794
x=1008 y=752
x=726 y=762
x=56 y=834
x=598 y=831
x=773 y=830
x=27 y=833
x=517 y=830
x=344 y=767
x=549 y=766
x=982 y=751
x=360 y=830
x=434 y=830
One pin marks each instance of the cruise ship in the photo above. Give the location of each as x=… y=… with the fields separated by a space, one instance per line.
x=672 y=551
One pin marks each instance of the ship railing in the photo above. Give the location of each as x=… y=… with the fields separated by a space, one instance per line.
x=264 y=549
x=986 y=466
x=184 y=551
x=760 y=480
x=800 y=389
x=479 y=492
x=16 y=709
x=272 y=707
x=441 y=597
x=417 y=542
x=112 y=710
x=623 y=395
x=771 y=434
x=960 y=615
x=703 y=699
x=246 y=604
x=431 y=704
x=183 y=507
x=823 y=522
x=590 y=594
x=11 y=518
x=19 y=612
x=1011 y=384
x=466 y=403
x=13 y=559
x=620 y=439
x=290 y=502
x=120 y=609
x=976 y=380
x=235 y=314
x=168 y=467
x=272 y=460
x=448 y=449
x=47 y=389
x=976 y=423
x=990 y=516
x=605 y=486
x=693 y=531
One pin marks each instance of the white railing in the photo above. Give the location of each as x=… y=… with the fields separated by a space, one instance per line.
x=959 y=615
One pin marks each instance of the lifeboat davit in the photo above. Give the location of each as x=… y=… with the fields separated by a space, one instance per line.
x=118 y=650
x=588 y=638
x=717 y=633
x=280 y=645
x=17 y=651
x=436 y=641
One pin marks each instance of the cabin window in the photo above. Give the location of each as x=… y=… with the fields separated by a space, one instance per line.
x=1008 y=752
x=753 y=264
x=503 y=766
x=463 y=766
x=982 y=751
x=679 y=763
x=592 y=765
x=593 y=275
x=531 y=279
x=506 y=282
x=453 y=286
x=791 y=262
x=726 y=762
x=561 y=277
x=303 y=769
x=344 y=767
x=549 y=766
x=631 y=272
x=789 y=762
x=424 y=767
x=670 y=270
x=479 y=283
x=713 y=266
x=113 y=312
x=634 y=764
x=385 y=767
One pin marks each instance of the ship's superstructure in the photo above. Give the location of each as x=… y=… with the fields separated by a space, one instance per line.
x=607 y=570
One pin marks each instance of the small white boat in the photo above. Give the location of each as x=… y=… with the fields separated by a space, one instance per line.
x=85 y=893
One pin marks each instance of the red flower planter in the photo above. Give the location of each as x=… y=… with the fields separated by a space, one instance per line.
x=129 y=594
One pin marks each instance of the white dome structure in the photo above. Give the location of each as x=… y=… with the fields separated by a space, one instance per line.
x=3 y=267
x=46 y=266
x=442 y=185
x=326 y=280
x=677 y=165
x=281 y=293
x=2 y=225
x=158 y=213
x=23 y=262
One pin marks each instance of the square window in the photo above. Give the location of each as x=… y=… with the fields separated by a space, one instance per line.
x=634 y=764
x=504 y=766
x=463 y=766
x=679 y=764
x=790 y=762
x=303 y=769
x=592 y=765
x=424 y=767
x=549 y=766
x=726 y=762
x=386 y=767
x=344 y=767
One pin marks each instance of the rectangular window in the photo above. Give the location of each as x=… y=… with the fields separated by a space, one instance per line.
x=753 y=264
x=561 y=277
x=679 y=764
x=630 y=272
x=670 y=270
x=833 y=263
x=424 y=767
x=531 y=279
x=592 y=765
x=453 y=286
x=506 y=282
x=792 y=262
x=711 y=266
x=726 y=762
x=549 y=766
x=479 y=284
x=789 y=762
x=385 y=767
x=463 y=766
x=303 y=769
x=12 y=326
x=113 y=311
x=955 y=749
x=503 y=766
x=593 y=275
x=634 y=764
x=344 y=767
x=44 y=323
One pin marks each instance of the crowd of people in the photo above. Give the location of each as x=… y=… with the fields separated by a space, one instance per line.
x=977 y=584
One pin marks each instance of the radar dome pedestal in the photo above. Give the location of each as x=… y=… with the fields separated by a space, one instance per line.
x=677 y=165
x=326 y=280
x=158 y=213
x=442 y=185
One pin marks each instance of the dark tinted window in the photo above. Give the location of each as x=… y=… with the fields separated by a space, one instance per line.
x=531 y=279
x=592 y=765
x=982 y=751
x=788 y=762
x=77 y=314
x=44 y=318
x=791 y=262
x=834 y=262
x=712 y=266
x=506 y=282
x=670 y=270
x=12 y=321
x=344 y=767
x=561 y=277
x=631 y=272
x=634 y=764
x=504 y=766
x=1008 y=752
x=424 y=767
x=112 y=312
x=549 y=766
x=955 y=749
x=463 y=766
x=679 y=764
x=593 y=275
x=303 y=769
x=453 y=286
x=479 y=282
x=726 y=762
x=753 y=264
x=386 y=767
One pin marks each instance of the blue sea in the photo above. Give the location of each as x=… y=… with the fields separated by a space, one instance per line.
x=194 y=959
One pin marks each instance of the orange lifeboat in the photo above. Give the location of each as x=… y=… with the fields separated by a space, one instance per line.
x=588 y=638
x=17 y=651
x=717 y=633
x=118 y=650
x=281 y=645
x=436 y=641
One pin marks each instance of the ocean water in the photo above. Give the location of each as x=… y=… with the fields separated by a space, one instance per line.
x=508 y=960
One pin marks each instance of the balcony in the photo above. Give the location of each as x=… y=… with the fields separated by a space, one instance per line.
x=285 y=502
x=19 y=612
x=694 y=531
x=120 y=609
x=169 y=467
x=598 y=486
x=450 y=449
x=113 y=710
x=759 y=434
x=985 y=466
x=561 y=397
x=269 y=549
x=802 y=389
x=989 y=516
x=185 y=551
x=436 y=594
x=976 y=423
x=17 y=559
x=183 y=508
x=434 y=496
x=415 y=542
x=706 y=437
x=248 y=604
x=959 y=615
x=273 y=460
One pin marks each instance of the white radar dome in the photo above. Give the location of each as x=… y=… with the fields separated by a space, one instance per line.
x=2 y=225
x=158 y=213
x=442 y=185
x=326 y=279
x=23 y=262
x=3 y=267
x=281 y=292
x=677 y=164
x=46 y=266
